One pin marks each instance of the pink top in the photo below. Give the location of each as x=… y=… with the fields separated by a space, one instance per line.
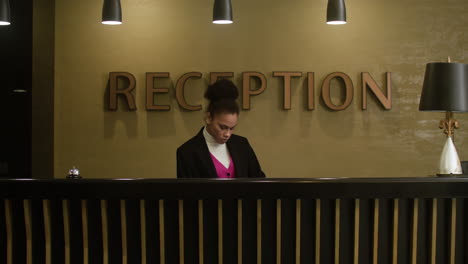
x=222 y=171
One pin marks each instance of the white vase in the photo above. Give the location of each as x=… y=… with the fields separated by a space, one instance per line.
x=449 y=161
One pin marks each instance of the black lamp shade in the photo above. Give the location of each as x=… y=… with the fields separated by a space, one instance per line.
x=222 y=12
x=5 y=12
x=445 y=87
x=112 y=12
x=336 y=12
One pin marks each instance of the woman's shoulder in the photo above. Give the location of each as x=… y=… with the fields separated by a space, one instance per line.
x=192 y=143
x=239 y=139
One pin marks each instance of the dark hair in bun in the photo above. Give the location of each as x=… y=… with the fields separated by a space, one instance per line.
x=222 y=96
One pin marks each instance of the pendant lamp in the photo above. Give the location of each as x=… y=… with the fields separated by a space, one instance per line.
x=5 y=13
x=222 y=12
x=336 y=12
x=111 y=12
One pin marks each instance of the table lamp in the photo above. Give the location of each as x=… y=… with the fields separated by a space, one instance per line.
x=445 y=89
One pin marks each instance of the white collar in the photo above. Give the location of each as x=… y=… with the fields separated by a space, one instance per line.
x=210 y=139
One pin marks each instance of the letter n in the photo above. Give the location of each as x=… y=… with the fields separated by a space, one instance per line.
x=368 y=82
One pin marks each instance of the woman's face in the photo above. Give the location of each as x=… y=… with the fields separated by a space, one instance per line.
x=220 y=126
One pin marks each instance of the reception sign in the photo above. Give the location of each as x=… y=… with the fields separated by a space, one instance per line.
x=367 y=85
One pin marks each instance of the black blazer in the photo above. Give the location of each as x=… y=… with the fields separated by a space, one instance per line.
x=194 y=160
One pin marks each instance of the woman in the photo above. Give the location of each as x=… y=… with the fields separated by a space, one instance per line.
x=215 y=152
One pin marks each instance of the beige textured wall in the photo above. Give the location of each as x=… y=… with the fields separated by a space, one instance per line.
x=177 y=36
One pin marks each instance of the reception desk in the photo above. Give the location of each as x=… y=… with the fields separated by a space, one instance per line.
x=327 y=220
